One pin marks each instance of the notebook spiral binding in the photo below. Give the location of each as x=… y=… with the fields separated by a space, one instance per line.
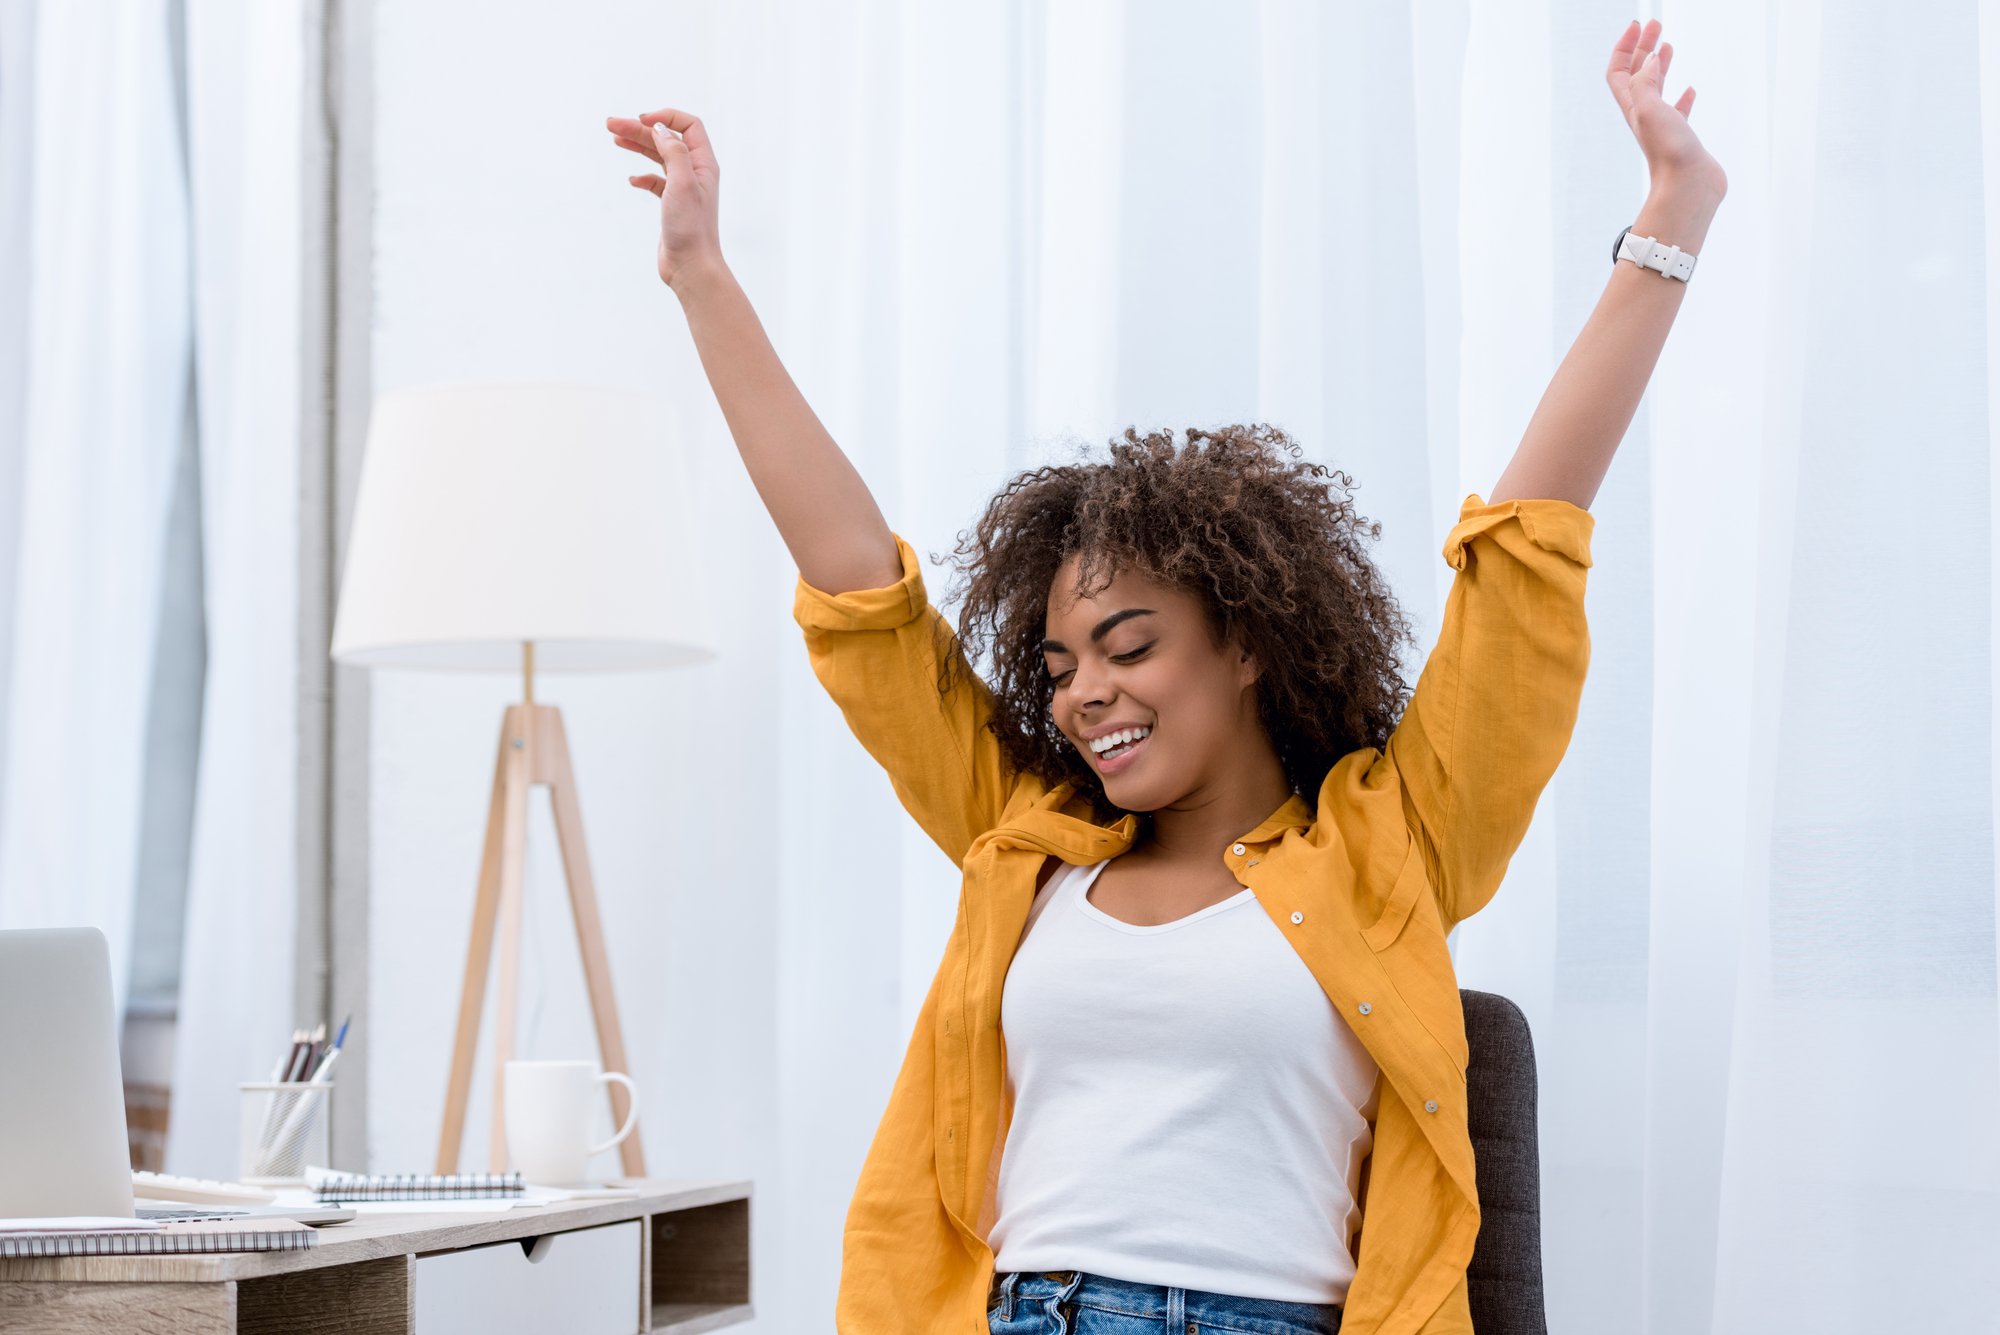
x=417 y=1186
x=146 y=1244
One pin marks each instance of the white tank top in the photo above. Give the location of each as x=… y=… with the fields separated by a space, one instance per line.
x=1188 y=1107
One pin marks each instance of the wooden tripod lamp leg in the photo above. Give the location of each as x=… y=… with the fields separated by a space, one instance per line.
x=506 y=820
x=554 y=748
x=472 y=999
x=513 y=855
x=533 y=748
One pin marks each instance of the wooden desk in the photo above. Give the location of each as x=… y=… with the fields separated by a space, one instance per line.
x=673 y=1259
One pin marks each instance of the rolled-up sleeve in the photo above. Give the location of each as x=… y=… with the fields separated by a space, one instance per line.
x=1497 y=700
x=878 y=653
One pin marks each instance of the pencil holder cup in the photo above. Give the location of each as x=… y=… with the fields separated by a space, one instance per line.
x=284 y=1129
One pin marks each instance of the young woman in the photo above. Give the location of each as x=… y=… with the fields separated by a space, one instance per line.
x=1194 y=1059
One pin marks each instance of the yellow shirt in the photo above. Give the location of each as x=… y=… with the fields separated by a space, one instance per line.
x=1365 y=882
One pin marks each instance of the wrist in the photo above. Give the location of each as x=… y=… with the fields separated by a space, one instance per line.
x=692 y=281
x=1677 y=215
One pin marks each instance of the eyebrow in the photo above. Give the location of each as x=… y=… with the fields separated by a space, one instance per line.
x=1100 y=630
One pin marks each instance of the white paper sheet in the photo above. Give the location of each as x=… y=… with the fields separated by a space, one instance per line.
x=489 y=1206
x=76 y=1223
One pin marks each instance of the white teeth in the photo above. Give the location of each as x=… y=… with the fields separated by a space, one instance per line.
x=1102 y=744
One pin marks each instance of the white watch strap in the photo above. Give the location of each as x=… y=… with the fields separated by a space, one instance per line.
x=1648 y=253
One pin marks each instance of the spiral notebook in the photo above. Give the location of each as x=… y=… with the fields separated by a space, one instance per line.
x=334 y=1188
x=209 y=1235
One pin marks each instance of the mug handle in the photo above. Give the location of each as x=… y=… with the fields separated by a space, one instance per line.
x=631 y=1114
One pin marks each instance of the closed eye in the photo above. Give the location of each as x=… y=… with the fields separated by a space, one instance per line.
x=1116 y=658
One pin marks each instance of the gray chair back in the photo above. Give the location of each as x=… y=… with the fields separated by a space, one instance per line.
x=1504 y=1279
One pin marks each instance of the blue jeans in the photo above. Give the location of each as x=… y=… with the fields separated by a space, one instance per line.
x=1075 y=1302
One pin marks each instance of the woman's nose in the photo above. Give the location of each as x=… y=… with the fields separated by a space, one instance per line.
x=1087 y=686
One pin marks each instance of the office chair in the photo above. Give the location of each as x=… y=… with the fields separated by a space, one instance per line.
x=1504 y=1278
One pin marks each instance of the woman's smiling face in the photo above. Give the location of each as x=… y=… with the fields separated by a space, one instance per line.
x=1140 y=654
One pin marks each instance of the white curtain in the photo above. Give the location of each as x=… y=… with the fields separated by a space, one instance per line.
x=95 y=386
x=151 y=252
x=245 y=120
x=1753 y=926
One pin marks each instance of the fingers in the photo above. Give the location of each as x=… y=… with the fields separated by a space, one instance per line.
x=1651 y=76
x=684 y=130
x=680 y=122
x=653 y=183
x=1629 y=52
x=644 y=147
x=1621 y=50
x=1638 y=70
x=628 y=133
x=701 y=150
x=1643 y=47
x=673 y=151
x=1629 y=57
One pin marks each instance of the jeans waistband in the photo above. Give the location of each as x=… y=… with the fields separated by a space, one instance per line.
x=1258 y=1316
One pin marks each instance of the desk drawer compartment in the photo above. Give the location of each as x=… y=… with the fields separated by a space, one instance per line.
x=582 y=1282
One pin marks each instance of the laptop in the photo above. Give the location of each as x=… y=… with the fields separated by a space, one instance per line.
x=63 y=1143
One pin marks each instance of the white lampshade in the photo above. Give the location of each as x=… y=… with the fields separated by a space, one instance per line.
x=492 y=514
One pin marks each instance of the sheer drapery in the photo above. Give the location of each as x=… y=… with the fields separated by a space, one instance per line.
x=1759 y=966
x=245 y=127
x=152 y=250
x=95 y=385
x=1753 y=926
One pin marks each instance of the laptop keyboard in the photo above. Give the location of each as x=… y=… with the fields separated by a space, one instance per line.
x=183 y=1214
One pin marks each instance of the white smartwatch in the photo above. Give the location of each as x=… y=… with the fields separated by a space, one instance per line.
x=1650 y=253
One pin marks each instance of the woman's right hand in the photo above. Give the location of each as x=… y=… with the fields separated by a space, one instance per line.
x=689 y=238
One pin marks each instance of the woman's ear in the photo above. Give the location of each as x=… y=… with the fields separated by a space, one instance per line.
x=1248 y=669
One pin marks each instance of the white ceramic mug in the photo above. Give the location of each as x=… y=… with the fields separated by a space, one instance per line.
x=549 y=1116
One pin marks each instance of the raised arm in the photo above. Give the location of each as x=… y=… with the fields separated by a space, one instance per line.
x=1498 y=698
x=874 y=640
x=823 y=510
x=1590 y=402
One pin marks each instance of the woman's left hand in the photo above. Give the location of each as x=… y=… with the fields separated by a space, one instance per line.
x=1674 y=154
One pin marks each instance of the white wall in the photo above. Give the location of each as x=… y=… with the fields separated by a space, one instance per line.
x=508 y=245
x=761 y=976
x=972 y=240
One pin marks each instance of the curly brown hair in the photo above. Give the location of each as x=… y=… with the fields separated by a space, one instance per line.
x=1266 y=544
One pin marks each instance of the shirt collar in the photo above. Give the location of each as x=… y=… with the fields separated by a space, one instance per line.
x=1292 y=814
x=1076 y=838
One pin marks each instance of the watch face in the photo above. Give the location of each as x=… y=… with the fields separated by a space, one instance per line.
x=1619 y=244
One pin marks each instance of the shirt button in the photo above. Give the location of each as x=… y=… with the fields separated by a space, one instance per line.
x=1365 y=1008
x=1430 y=1105
x=1237 y=849
x=1298 y=917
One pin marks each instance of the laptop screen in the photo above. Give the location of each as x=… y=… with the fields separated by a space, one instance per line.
x=63 y=1146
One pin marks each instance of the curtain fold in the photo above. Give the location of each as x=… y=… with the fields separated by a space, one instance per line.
x=1759 y=894
x=150 y=245
x=245 y=112
x=1753 y=925
x=93 y=416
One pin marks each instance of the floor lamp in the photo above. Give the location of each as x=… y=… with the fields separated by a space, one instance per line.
x=522 y=528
